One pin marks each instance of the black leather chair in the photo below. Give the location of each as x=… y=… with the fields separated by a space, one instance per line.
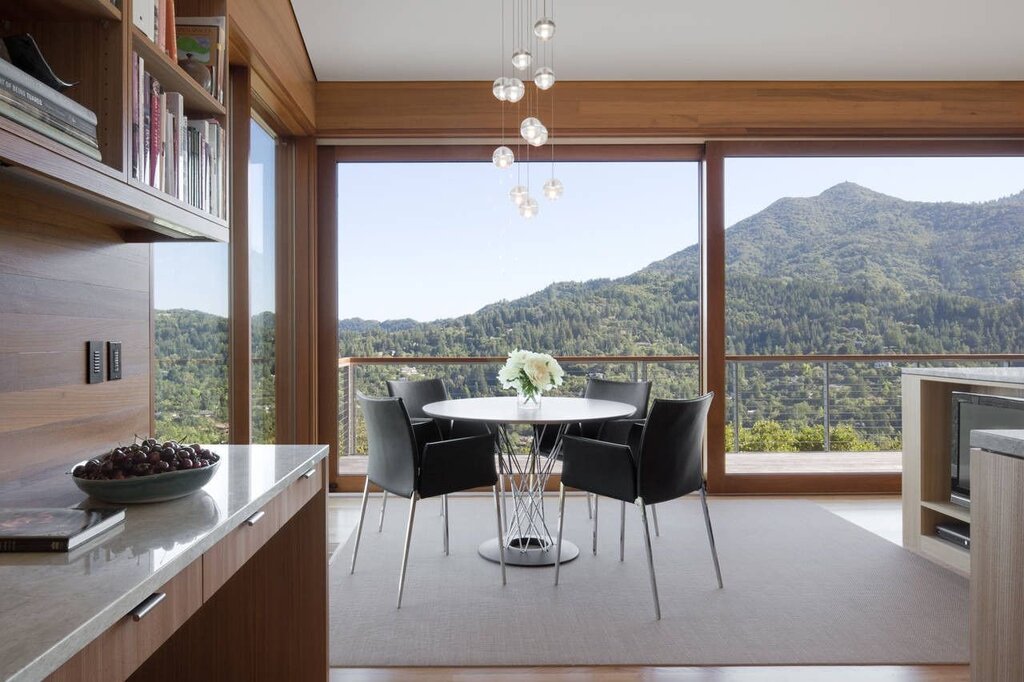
x=397 y=465
x=416 y=394
x=636 y=393
x=664 y=463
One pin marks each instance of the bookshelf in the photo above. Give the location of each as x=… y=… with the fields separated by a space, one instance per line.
x=91 y=42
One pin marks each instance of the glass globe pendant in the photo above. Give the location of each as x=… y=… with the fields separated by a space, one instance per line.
x=553 y=189
x=514 y=89
x=529 y=207
x=503 y=157
x=544 y=78
x=541 y=138
x=544 y=28
x=530 y=129
x=518 y=195
x=500 y=88
x=521 y=59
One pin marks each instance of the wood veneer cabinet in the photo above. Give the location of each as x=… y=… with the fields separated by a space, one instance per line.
x=927 y=424
x=91 y=42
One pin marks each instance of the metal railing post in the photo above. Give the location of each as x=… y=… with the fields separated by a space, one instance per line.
x=643 y=370
x=636 y=371
x=350 y=409
x=736 y=405
x=825 y=411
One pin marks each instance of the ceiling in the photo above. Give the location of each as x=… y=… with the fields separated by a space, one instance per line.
x=675 y=39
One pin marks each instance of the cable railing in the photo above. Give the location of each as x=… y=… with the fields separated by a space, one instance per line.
x=782 y=403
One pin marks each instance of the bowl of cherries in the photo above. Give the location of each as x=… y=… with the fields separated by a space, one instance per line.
x=146 y=471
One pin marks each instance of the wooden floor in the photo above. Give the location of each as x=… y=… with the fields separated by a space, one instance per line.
x=922 y=673
x=881 y=515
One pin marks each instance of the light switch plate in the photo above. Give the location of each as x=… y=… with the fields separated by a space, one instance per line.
x=94 y=362
x=113 y=360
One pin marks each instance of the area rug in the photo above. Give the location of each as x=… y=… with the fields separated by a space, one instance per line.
x=802 y=587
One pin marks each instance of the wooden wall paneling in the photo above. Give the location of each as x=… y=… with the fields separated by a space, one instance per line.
x=305 y=289
x=682 y=108
x=65 y=279
x=327 y=304
x=265 y=35
x=240 y=330
x=712 y=308
x=285 y=331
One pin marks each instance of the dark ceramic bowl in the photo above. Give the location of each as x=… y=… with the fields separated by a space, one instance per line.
x=154 y=488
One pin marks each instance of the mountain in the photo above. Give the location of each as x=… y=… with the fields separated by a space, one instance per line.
x=849 y=270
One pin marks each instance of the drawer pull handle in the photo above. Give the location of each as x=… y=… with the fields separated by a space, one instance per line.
x=255 y=518
x=140 y=611
x=309 y=474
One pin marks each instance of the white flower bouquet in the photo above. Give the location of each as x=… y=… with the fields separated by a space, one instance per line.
x=530 y=374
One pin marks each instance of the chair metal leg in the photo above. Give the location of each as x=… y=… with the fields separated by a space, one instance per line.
x=622 y=533
x=650 y=558
x=590 y=508
x=444 y=511
x=654 y=517
x=711 y=535
x=405 y=550
x=359 y=527
x=561 y=518
x=501 y=535
x=596 y=498
x=383 y=506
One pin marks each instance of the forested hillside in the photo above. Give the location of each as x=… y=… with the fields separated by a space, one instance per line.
x=847 y=271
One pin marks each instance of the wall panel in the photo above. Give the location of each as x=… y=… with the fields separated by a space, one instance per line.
x=64 y=280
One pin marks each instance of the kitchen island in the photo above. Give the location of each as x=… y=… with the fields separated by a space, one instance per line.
x=229 y=583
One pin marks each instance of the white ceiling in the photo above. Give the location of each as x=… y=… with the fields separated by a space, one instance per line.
x=675 y=39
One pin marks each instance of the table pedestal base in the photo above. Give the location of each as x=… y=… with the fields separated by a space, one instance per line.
x=528 y=551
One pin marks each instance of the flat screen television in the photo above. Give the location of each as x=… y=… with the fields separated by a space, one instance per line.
x=974 y=411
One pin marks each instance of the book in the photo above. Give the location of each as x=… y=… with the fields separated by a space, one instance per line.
x=43 y=116
x=138 y=65
x=23 y=86
x=144 y=16
x=54 y=530
x=203 y=39
x=47 y=130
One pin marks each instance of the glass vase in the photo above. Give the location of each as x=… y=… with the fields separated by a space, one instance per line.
x=528 y=401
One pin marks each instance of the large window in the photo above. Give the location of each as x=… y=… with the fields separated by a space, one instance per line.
x=190 y=297
x=880 y=257
x=435 y=261
x=262 y=271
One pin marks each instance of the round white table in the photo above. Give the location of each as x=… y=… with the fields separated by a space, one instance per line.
x=528 y=541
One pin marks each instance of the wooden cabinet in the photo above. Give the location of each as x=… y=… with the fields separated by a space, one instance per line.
x=228 y=555
x=91 y=42
x=117 y=653
x=997 y=567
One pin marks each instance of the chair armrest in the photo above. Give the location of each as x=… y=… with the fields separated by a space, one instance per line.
x=599 y=467
x=425 y=431
x=620 y=430
x=459 y=464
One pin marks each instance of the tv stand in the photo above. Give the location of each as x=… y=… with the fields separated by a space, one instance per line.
x=927 y=401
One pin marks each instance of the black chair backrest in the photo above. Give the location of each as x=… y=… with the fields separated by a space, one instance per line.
x=635 y=393
x=416 y=394
x=671 y=452
x=393 y=458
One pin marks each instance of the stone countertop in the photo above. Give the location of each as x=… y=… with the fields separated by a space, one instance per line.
x=1003 y=441
x=54 y=604
x=1002 y=375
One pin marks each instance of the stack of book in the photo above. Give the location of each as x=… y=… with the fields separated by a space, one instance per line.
x=39 y=107
x=180 y=156
x=155 y=18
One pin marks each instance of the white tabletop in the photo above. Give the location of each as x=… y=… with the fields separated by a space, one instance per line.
x=552 y=410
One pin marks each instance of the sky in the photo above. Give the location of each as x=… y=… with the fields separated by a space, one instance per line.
x=433 y=240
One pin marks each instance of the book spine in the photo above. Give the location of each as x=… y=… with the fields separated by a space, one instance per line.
x=13 y=76
x=46 y=130
x=29 y=99
x=60 y=125
x=136 y=122
x=33 y=545
x=154 y=131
